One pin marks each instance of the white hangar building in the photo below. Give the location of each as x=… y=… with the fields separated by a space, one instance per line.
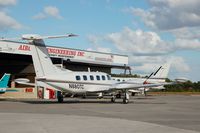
x=16 y=59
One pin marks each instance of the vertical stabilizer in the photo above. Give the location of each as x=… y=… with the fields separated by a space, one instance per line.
x=162 y=72
x=4 y=80
x=41 y=59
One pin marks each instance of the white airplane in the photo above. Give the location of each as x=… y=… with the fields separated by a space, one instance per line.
x=66 y=81
x=158 y=76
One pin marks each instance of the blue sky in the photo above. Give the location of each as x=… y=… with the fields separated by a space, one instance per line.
x=151 y=32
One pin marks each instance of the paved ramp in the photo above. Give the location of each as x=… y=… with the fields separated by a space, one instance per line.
x=55 y=123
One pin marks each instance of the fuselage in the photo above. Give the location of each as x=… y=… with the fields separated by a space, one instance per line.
x=141 y=81
x=79 y=82
x=138 y=80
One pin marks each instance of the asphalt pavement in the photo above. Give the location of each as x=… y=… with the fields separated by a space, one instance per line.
x=152 y=114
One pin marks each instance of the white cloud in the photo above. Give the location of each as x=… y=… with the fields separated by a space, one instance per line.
x=179 y=64
x=187 y=33
x=100 y=49
x=95 y=40
x=187 y=44
x=52 y=11
x=48 y=11
x=170 y=14
x=148 y=64
x=7 y=2
x=146 y=50
x=104 y=50
x=40 y=16
x=7 y=22
x=139 y=42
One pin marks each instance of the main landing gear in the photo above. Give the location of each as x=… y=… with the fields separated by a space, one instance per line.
x=60 y=97
x=125 y=98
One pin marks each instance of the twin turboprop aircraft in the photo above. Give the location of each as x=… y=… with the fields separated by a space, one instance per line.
x=66 y=81
x=158 y=76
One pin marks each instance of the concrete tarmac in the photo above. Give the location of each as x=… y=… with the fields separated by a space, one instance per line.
x=152 y=114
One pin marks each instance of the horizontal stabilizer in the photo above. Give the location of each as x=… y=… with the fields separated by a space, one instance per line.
x=24 y=81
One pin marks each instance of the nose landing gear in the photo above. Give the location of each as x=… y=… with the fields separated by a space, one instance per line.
x=126 y=97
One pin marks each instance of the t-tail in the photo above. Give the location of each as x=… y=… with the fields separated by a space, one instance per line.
x=41 y=59
x=4 y=82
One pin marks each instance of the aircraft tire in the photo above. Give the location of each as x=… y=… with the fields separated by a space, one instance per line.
x=125 y=101
x=113 y=99
x=60 y=99
x=133 y=94
x=118 y=95
x=84 y=96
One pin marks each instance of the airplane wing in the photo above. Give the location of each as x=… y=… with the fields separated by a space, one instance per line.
x=129 y=86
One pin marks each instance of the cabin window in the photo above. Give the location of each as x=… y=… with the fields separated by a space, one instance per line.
x=98 y=77
x=103 y=77
x=91 y=77
x=109 y=77
x=78 y=77
x=84 y=77
x=118 y=80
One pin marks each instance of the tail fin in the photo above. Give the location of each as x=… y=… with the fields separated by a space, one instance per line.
x=162 y=72
x=4 y=80
x=41 y=59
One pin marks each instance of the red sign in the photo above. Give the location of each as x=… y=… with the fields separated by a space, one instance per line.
x=65 y=52
x=29 y=90
x=24 y=48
